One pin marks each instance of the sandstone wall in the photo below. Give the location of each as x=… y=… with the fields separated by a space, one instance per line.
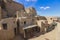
x=31 y=12
x=0 y=12
x=11 y=8
x=9 y=33
x=50 y=19
x=29 y=21
x=39 y=22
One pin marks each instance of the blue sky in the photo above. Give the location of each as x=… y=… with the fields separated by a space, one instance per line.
x=43 y=7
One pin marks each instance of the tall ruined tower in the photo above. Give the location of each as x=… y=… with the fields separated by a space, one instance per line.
x=3 y=8
x=2 y=2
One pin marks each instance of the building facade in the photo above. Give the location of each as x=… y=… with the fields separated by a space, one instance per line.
x=14 y=19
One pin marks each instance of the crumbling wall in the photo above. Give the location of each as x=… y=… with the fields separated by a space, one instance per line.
x=9 y=32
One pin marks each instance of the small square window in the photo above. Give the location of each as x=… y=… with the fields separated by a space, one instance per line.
x=24 y=22
x=37 y=18
x=51 y=18
x=4 y=26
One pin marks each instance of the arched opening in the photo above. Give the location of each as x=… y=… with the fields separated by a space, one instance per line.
x=24 y=22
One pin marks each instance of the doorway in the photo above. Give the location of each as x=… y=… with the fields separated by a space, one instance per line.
x=14 y=31
x=18 y=27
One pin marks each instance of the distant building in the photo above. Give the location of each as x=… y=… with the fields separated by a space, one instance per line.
x=51 y=18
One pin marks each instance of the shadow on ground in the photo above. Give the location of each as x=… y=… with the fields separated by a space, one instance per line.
x=36 y=34
x=39 y=33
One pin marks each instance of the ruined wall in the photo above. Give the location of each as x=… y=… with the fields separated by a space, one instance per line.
x=31 y=11
x=12 y=7
x=9 y=32
x=50 y=19
x=3 y=9
x=39 y=23
x=29 y=21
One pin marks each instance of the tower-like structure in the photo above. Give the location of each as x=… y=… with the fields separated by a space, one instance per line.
x=2 y=8
x=3 y=11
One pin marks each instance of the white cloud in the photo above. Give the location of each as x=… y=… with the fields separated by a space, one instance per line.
x=41 y=7
x=27 y=0
x=47 y=7
x=31 y=0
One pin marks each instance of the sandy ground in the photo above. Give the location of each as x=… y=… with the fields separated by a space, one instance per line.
x=53 y=35
x=58 y=32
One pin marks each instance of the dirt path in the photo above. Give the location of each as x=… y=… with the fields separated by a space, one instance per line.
x=58 y=32
x=18 y=37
